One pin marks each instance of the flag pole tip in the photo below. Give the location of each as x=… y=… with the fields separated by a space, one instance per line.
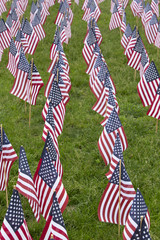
x=14 y=187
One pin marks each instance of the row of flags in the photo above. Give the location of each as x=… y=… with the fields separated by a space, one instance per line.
x=45 y=191
x=149 y=84
x=120 y=203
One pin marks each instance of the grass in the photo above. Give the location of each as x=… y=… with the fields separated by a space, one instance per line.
x=84 y=170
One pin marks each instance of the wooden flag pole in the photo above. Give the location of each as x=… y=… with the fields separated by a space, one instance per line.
x=119 y=213
x=141 y=225
x=51 y=236
x=30 y=94
x=4 y=166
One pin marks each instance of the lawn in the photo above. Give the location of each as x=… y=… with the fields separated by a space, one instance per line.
x=84 y=169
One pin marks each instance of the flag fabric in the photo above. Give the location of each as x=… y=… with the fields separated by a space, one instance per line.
x=148 y=85
x=47 y=182
x=38 y=28
x=56 y=40
x=31 y=37
x=136 y=7
x=44 y=12
x=157 y=39
x=154 y=110
x=107 y=139
x=116 y=157
x=108 y=209
x=62 y=9
x=147 y=15
x=25 y=184
x=15 y=22
x=1 y=52
x=19 y=86
x=123 y=23
x=96 y=53
x=53 y=154
x=5 y=36
x=141 y=232
x=155 y=7
x=9 y=24
x=115 y=20
x=126 y=36
x=151 y=29
x=58 y=107
x=144 y=63
x=7 y=158
x=12 y=66
x=131 y=44
x=2 y=7
x=33 y=11
x=139 y=209
x=33 y=85
x=55 y=223
x=89 y=45
x=135 y=58
x=14 y=224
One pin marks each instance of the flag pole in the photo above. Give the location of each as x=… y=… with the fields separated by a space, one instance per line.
x=30 y=93
x=51 y=236
x=141 y=225
x=4 y=166
x=119 y=213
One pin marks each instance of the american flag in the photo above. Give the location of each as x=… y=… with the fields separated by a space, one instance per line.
x=157 y=39
x=38 y=28
x=59 y=54
x=144 y=63
x=7 y=158
x=155 y=7
x=107 y=139
x=33 y=85
x=63 y=37
x=2 y=7
x=136 y=7
x=60 y=14
x=19 y=86
x=25 y=184
x=18 y=41
x=106 y=104
x=115 y=20
x=151 y=29
x=148 y=85
x=33 y=11
x=123 y=24
x=93 y=25
x=126 y=36
x=96 y=53
x=5 y=36
x=15 y=22
x=141 y=232
x=95 y=70
x=154 y=110
x=59 y=74
x=89 y=45
x=53 y=48
x=14 y=224
x=54 y=154
x=147 y=14
x=135 y=58
x=58 y=107
x=116 y=157
x=47 y=182
x=9 y=24
x=108 y=209
x=44 y=12
x=31 y=36
x=55 y=223
x=139 y=209
x=12 y=66
x=50 y=126
x=131 y=43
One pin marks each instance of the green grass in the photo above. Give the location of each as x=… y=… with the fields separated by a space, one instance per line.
x=84 y=170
